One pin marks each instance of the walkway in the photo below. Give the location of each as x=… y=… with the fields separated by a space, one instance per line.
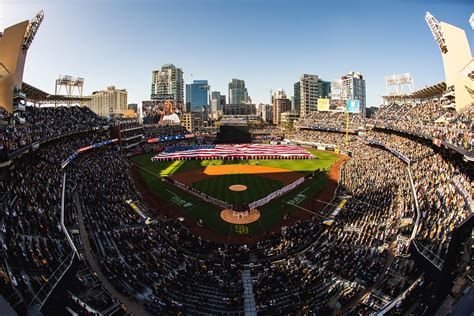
x=249 y=299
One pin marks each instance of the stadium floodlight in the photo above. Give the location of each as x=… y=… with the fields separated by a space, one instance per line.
x=69 y=83
x=32 y=28
x=435 y=28
x=401 y=82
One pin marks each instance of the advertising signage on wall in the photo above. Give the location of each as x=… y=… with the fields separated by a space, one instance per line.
x=353 y=106
x=162 y=97
x=335 y=105
x=323 y=105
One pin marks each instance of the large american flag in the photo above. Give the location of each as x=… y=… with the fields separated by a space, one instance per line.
x=244 y=151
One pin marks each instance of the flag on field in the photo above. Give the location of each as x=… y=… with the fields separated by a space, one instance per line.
x=243 y=151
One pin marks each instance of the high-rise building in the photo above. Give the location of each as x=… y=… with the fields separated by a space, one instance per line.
x=265 y=112
x=353 y=88
x=217 y=101
x=168 y=81
x=336 y=89
x=297 y=96
x=280 y=104
x=109 y=102
x=217 y=104
x=238 y=92
x=309 y=93
x=197 y=96
x=222 y=100
x=324 y=89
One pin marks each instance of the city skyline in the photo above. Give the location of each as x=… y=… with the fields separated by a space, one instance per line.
x=137 y=38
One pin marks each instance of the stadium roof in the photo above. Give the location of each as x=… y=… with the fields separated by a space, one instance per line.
x=36 y=95
x=430 y=91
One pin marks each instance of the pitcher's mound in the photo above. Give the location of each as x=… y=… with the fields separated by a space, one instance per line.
x=238 y=187
x=233 y=217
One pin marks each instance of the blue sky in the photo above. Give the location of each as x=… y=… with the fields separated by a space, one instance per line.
x=266 y=43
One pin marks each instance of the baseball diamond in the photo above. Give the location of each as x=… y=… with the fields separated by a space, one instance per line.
x=214 y=177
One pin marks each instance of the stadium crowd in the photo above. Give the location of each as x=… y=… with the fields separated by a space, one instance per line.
x=160 y=264
x=444 y=193
x=32 y=242
x=409 y=148
x=45 y=123
x=322 y=138
x=331 y=120
x=433 y=119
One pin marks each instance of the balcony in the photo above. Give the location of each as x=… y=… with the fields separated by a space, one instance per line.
x=18 y=94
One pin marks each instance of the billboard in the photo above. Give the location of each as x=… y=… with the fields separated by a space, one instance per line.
x=323 y=104
x=353 y=106
x=152 y=111
x=337 y=105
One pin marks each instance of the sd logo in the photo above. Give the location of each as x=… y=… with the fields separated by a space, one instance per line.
x=241 y=229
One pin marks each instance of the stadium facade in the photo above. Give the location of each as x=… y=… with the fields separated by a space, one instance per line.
x=14 y=44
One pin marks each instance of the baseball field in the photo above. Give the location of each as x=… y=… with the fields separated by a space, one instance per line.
x=253 y=179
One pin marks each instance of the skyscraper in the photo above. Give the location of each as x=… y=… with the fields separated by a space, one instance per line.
x=309 y=93
x=168 y=81
x=265 y=111
x=297 y=96
x=280 y=104
x=197 y=97
x=217 y=103
x=353 y=88
x=324 y=89
x=238 y=92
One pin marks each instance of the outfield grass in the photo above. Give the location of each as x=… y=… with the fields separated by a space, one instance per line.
x=257 y=187
x=271 y=213
x=167 y=168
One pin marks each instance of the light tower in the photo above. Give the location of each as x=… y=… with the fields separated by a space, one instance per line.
x=69 y=83
x=457 y=58
x=402 y=83
x=435 y=28
x=14 y=44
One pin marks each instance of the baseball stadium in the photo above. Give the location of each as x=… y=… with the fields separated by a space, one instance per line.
x=324 y=208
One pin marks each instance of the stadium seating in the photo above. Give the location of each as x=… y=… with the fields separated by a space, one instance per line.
x=310 y=266
x=433 y=119
x=45 y=123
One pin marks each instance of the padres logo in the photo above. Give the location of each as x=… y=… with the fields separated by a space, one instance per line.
x=241 y=229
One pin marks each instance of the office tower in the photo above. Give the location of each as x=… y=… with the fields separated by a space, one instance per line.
x=353 y=88
x=280 y=104
x=309 y=93
x=197 y=96
x=166 y=82
x=296 y=96
x=238 y=92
